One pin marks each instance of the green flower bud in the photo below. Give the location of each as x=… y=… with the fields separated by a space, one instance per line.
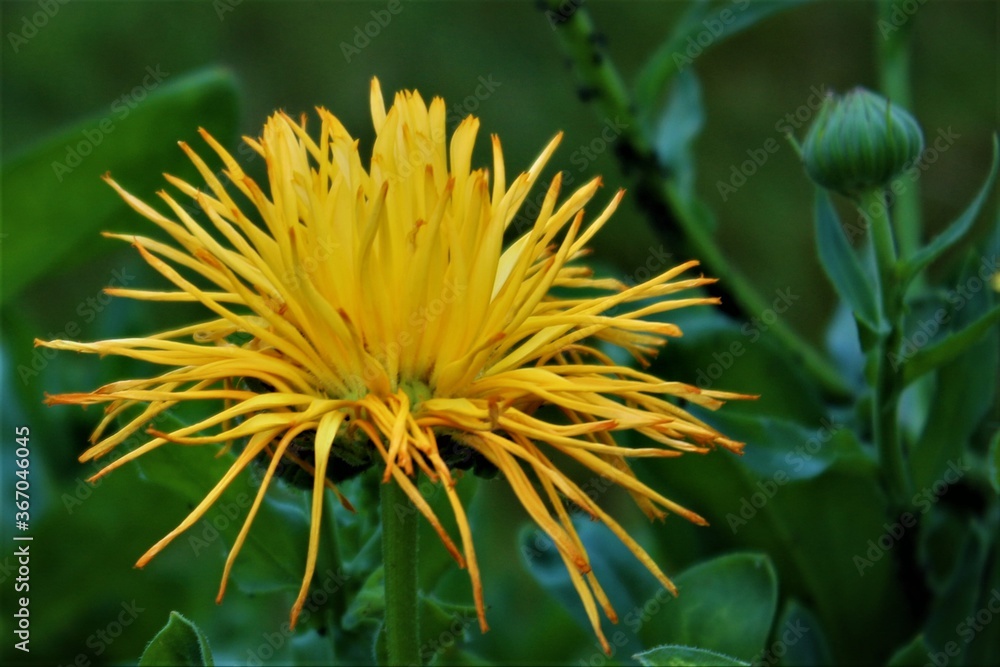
x=859 y=142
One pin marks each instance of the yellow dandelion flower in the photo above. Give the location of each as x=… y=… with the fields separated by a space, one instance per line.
x=379 y=314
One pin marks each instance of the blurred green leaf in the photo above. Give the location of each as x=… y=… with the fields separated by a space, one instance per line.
x=912 y=654
x=686 y=656
x=443 y=626
x=933 y=356
x=828 y=519
x=801 y=636
x=717 y=353
x=180 y=643
x=993 y=461
x=841 y=339
x=55 y=204
x=841 y=263
x=628 y=586
x=972 y=376
x=677 y=128
x=955 y=605
x=788 y=451
x=984 y=644
x=956 y=230
x=726 y=605
x=699 y=29
x=275 y=549
x=368 y=605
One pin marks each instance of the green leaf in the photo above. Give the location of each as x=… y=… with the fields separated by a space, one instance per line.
x=275 y=547
x=915 y=652
x=678 y=127
x=984 y=647
x=681 y=48
x=946 y=627
x=443 y=626
x=993 y=461
x=785 y=451
x=55 y=204
x=179 y=643
x=798 y=636
x=841 y=263
x=828 y=518
x=726 y=605
x=686 y=656
x=972 y=375
x=956 y=230
x=368 y=605
x=928 y=358
x=626 y=585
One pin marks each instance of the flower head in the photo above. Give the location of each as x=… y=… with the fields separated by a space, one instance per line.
x=859 y=141
x=372 y=314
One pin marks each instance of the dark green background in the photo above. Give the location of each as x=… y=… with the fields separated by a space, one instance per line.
x=287 y=55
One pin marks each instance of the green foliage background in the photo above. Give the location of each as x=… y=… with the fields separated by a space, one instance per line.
x=226 y=66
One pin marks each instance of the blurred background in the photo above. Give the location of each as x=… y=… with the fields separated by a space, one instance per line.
x=122 y=82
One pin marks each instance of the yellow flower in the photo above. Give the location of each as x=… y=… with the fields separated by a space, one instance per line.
x=376 y=310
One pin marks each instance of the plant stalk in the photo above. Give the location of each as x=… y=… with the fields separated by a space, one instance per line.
x=602 y=84
x=894 y=79
x=888 y=385
x=399 y=554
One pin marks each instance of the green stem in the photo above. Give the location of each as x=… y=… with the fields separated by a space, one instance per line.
x=399 y=555
x=894 y=78
x=602 y=83
x=888 y=382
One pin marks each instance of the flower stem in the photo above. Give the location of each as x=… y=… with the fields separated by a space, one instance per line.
x=602 y=83
x=894 y=75
x=399 y=554
x=888 y=385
